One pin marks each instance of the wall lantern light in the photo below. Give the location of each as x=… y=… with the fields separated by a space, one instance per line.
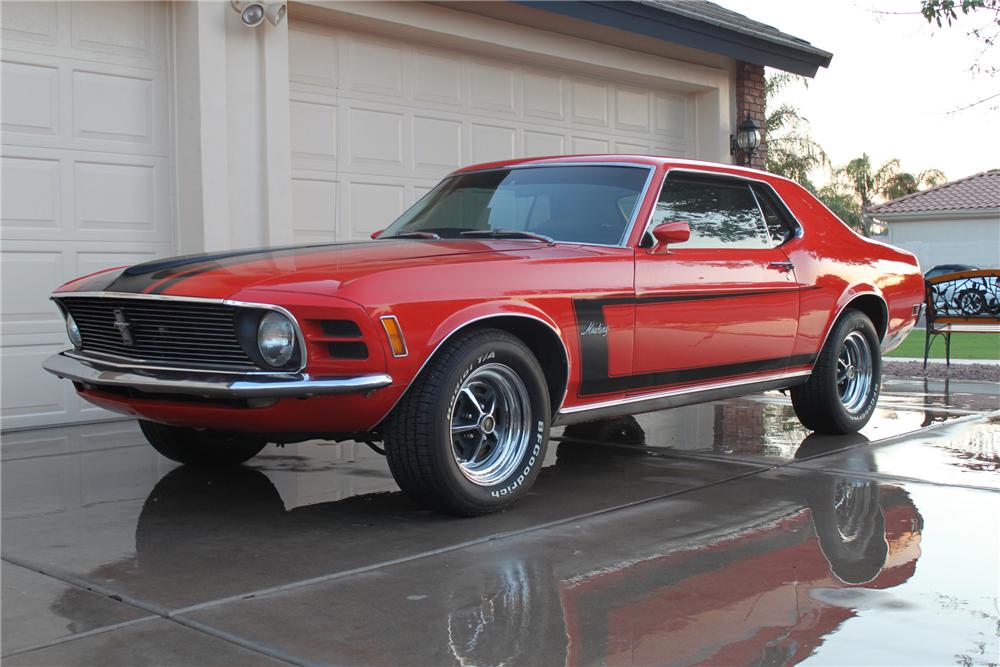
x=747 y=138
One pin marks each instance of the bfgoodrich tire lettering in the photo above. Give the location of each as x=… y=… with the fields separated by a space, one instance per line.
x=451 y=400
x=842 y=392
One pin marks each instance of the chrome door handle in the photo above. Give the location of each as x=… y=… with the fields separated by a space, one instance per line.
x=784 y=266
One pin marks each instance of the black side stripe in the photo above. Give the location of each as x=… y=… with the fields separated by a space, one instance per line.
x=595 y=377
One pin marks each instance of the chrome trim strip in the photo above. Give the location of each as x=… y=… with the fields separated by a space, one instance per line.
x=799 y=231
x=402 y=336
x=680 y=392
x=197 y=299
x=215 y=386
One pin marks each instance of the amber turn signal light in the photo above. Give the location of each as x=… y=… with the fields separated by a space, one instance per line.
x=395 y=334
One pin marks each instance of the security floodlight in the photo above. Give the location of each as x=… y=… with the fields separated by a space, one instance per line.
x=275 y=12
x=251 y=13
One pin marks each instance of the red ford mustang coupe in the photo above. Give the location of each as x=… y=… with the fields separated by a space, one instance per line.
x=513 y=297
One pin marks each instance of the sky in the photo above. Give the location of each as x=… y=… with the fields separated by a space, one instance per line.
x=891 y=84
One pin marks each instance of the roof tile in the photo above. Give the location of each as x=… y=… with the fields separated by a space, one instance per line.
x=979 y=191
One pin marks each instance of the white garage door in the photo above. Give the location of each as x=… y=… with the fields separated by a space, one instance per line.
x=376 y=122
x=85 y=170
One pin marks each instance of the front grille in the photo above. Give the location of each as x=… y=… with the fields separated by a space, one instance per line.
x=163 y=332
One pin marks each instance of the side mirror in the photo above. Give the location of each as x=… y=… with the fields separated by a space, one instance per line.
x=668 y=233
x=375 y=234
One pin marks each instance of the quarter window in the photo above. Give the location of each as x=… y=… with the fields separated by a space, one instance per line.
x=722 y=213
x=779 y=225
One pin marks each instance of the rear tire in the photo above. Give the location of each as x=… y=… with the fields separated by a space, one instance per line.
x=843 y=389
x=469 y=436
x=195 y=447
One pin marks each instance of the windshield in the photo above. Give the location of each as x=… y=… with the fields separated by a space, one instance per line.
x=576 y=204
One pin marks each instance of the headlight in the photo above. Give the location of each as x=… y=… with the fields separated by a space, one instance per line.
x=276 y=339
x=73 y=331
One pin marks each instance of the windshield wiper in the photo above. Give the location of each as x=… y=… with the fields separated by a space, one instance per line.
x=415 y=235
x=501 y=233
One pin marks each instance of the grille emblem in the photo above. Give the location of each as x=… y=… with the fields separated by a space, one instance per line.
x=123 y=326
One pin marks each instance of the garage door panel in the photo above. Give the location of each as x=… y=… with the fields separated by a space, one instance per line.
x=33 y=22
x=51 y=194
x=589 y=145
x=314 y=210
x=32 y=396
x=632 y=110
x=491 y=142
x=314 y=133
x=543 y=143
x=375 y=66
x=129 y=29
x=32 y=193
x=371 y=207
x=376 y=137
x=84 y=106
x=671 y=115
x=437 y=143
x=543 y=96
x=28 y=278
x=589 y=102
x=128 y=118
x=129 y=33
x=313 y=59
x=436 y=78
x=632 y=148
x=35 y=107
x=491 y=87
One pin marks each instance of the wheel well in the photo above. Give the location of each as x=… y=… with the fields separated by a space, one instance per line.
x=874 y=307
x=543 y=342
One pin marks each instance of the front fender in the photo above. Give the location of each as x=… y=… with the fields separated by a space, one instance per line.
x=428 y=327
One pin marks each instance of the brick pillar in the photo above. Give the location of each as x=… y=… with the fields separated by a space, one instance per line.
x=750 y=97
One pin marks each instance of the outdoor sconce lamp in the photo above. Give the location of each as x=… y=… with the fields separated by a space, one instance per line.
x=747 y=138
x=253 y=13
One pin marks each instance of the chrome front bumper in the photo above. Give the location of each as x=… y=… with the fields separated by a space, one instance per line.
x=209 y=385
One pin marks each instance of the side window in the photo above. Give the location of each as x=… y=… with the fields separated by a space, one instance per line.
x=779 y=225
x=722 y=213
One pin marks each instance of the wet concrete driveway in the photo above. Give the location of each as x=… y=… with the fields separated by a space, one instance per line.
x=719 y=534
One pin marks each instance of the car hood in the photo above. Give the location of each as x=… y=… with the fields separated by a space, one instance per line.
x=220 y=275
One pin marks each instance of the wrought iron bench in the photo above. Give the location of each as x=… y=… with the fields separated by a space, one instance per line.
x=966 y=301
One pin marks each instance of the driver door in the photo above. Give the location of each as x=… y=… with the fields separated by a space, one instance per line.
x=723 y=304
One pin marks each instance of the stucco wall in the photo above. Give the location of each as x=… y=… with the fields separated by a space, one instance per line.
x=966 y=240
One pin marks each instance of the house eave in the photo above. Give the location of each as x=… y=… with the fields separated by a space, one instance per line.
x=690 y=31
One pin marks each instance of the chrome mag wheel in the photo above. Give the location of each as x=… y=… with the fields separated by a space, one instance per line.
x=490 y=424
x=854 y=372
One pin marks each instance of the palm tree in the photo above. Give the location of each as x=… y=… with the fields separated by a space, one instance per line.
x=791 y=151
x=886 y=182
x=905 y=183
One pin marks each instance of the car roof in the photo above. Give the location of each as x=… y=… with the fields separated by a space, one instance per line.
x=651 y=160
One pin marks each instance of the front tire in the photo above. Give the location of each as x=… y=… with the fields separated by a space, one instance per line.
x=195 y=447
x=843 y=389
x=469 y=436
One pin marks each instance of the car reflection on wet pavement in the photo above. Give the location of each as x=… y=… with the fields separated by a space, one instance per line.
x=717 y=534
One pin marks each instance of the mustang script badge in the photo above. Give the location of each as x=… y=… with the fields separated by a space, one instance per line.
x=595 y=329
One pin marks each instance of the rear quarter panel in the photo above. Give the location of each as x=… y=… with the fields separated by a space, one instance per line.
x=835 y=265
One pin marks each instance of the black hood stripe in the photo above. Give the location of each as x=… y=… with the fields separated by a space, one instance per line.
x=159 y=275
